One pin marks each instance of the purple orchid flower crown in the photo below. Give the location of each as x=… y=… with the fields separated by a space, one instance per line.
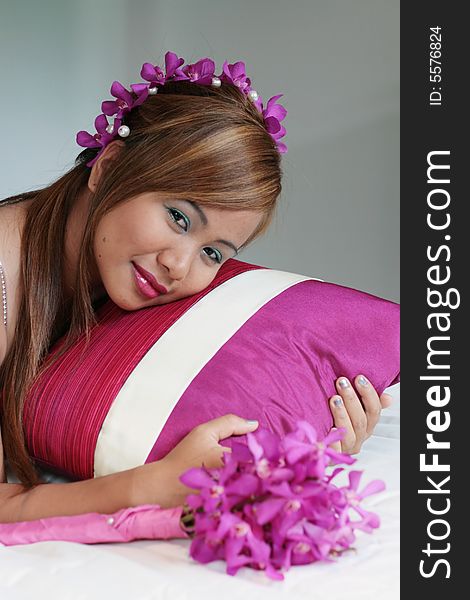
x=201 y=73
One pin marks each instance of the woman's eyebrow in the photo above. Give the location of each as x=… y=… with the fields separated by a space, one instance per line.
x=204 y=221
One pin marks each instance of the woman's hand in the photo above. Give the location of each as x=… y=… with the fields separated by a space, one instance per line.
x=358 y=416
x=158 y=482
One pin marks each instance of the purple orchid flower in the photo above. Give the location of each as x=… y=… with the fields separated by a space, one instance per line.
x=155 y=75
x=200 y=72
x=273 y=114
x=351 y=497
x=304 y=443
x=124 y=102
x=227 y=536
x=235 y=74
x=99 y=139
x=220 y=488
x=95 y=141
x=305 y=543
x=172 y=65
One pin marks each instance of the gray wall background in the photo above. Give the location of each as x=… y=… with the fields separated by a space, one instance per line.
x=336 y=61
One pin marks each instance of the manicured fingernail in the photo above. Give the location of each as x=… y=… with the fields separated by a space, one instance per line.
x=362 y=380
x=249 y=422
x=344 y=383
x=337 y=402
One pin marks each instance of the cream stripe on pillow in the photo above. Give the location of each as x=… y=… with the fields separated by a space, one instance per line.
x=153 y=389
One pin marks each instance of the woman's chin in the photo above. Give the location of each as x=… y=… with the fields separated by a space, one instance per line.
x=127 y=302
x=138 y=301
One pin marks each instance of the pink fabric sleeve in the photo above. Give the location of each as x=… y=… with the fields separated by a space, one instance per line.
x=145 y=522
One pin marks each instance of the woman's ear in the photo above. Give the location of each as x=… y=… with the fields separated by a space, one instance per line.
x=109 y=154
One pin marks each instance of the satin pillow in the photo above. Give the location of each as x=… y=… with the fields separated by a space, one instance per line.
x=260 y=343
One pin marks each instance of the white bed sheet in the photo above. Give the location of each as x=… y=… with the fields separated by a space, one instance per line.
x=163 y=570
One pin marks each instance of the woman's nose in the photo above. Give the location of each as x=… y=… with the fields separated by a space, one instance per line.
x=177 y=262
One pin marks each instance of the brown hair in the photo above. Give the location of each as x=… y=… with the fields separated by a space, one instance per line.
x=201 y=143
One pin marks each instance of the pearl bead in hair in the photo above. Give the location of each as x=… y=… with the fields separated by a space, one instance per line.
x=153 y=90
x=253 y=95
x=110 y=128
x=124 y=131
x=216 y=82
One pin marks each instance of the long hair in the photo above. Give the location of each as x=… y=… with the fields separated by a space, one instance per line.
x=201 y=143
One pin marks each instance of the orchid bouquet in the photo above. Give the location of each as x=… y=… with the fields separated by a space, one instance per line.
x=273 y=503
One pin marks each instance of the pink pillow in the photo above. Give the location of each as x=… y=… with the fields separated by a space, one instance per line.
x=261 y=343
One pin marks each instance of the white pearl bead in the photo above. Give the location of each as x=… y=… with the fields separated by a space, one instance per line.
x=124 y=131
x=110 y=128
x=110 y=521
x=216 y=82
x=153 y=90
x=253 y=95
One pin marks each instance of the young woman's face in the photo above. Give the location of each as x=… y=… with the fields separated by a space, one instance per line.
x=182 y=244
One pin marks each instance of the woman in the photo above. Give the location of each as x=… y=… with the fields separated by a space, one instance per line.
x=180 y=182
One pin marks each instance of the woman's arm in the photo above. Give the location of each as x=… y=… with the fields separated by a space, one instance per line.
x=153 y=483
x=103 y=495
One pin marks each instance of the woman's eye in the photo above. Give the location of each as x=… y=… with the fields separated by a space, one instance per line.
x=176 y=216
x=217 y=257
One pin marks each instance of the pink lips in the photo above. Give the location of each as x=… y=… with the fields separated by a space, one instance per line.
x=146 y=282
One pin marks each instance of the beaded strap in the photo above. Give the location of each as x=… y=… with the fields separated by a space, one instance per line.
x=4 y=294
